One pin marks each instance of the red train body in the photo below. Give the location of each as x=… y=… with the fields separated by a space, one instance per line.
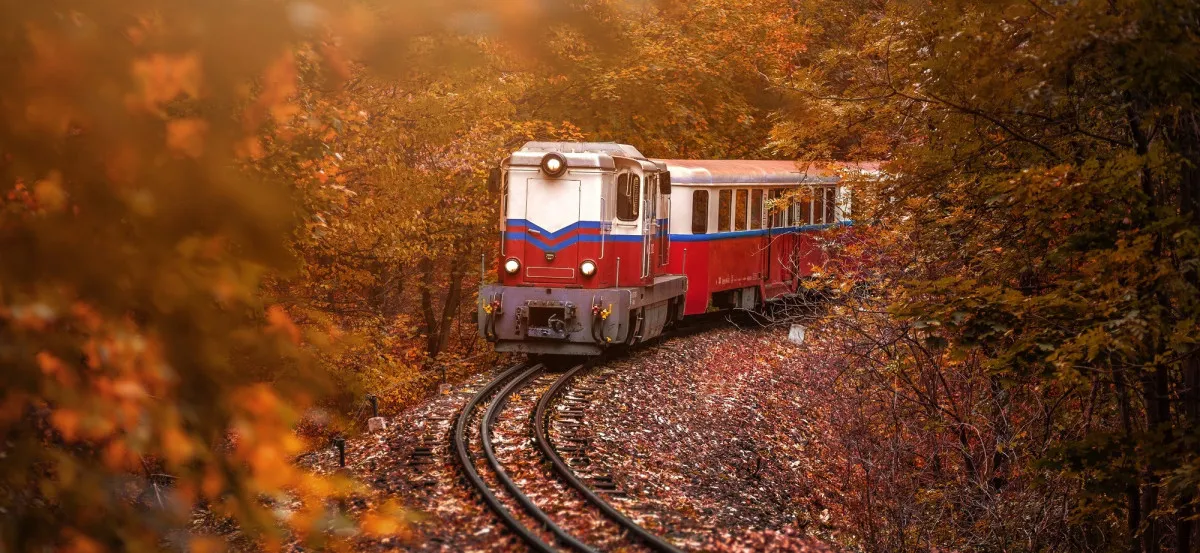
x=601 y=246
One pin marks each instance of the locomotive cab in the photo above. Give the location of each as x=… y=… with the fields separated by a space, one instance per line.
x=584 y=251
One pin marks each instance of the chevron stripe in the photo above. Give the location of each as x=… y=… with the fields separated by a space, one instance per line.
x=569 y=241
x=520 y=225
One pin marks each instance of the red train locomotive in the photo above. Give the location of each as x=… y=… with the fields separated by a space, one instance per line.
x=601 y=246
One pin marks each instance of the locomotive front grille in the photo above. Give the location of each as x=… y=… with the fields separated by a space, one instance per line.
x=548 y=319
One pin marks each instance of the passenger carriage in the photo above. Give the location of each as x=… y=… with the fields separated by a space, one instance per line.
x=601 y=246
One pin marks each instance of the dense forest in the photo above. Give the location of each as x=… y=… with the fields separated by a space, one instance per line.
x=223 y=222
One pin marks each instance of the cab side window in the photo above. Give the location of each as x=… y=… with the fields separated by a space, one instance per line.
x=700 y=212
x=629 y=197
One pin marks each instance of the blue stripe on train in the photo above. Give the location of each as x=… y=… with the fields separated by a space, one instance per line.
x=750 y=233
x=539 y=242
x=578 y=225
x=582 y=238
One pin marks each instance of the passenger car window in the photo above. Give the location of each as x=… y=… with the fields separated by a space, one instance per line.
x=802 y=207
x=724 y=207
x=783 y=209
x=700 y=212
x=756 y=208
x=830 y=205
x=629 y=197
x=773 y=214
x=739 y=210
x=818 y=209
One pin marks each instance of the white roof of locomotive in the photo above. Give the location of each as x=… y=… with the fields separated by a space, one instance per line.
x=580 y=155
x=610 y=148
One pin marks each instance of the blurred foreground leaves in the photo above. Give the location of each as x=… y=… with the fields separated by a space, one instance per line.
x=217 y=215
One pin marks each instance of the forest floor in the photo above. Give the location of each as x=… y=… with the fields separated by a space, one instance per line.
x=709 y=436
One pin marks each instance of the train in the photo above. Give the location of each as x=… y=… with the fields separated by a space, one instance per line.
x=602 y=247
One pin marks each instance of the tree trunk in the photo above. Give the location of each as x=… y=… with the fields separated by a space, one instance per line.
x=438 y=325
x=450 y=306
x=1187 y=142
x=1133 y=490
x=1003 y=435
x=1155 y=389
x=428 y=285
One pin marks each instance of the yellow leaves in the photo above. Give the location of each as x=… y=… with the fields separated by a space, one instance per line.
x=49 y=192
x=278 y=322
x=36 y=316
x=274 y=100
x=206 y=544
x=53 y=58
x=49 y=74
x=78 y=543
x=128 y=389
x=54 y=367
x=66 y=422
x=118 y=456
x=374 y=524
x=86 y=316
x=162 y=78
x=102 y=343
x=177 y=447
x=212 y=484
x=121 y=164
x=389 y=520
x=185 y=137
x=13 y=407
x=270 y=467
x=250 y=148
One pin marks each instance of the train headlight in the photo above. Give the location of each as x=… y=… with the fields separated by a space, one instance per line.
x=512 y=266
x=588 y=268
x=554 y=164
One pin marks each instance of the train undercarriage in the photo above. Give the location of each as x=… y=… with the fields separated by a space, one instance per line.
x=578 y=321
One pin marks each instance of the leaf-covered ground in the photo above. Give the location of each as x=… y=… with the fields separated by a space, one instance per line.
x=712 y=436
x=709 y=437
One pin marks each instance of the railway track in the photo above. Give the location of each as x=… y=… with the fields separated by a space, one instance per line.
x=486 y=472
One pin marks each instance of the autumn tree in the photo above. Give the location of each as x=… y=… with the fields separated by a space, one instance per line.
x=1038 y=236
x=134 y=238
x=158 y=164
x=401 y=219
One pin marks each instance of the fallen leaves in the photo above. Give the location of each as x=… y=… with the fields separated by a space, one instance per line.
x=711 y=436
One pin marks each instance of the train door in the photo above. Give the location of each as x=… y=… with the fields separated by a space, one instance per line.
x=792 y=243
x=649 y=223
x=551 y=214
x=756 y=224
x=664 y=230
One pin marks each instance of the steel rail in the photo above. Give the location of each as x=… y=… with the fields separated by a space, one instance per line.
x=541 y=423
x=464 y=458
x=485 y=433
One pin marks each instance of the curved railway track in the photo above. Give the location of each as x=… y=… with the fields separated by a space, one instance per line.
x=541 y=423
x=496 y=395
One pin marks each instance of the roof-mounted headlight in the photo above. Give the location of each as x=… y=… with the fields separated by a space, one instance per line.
x=554 y=164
